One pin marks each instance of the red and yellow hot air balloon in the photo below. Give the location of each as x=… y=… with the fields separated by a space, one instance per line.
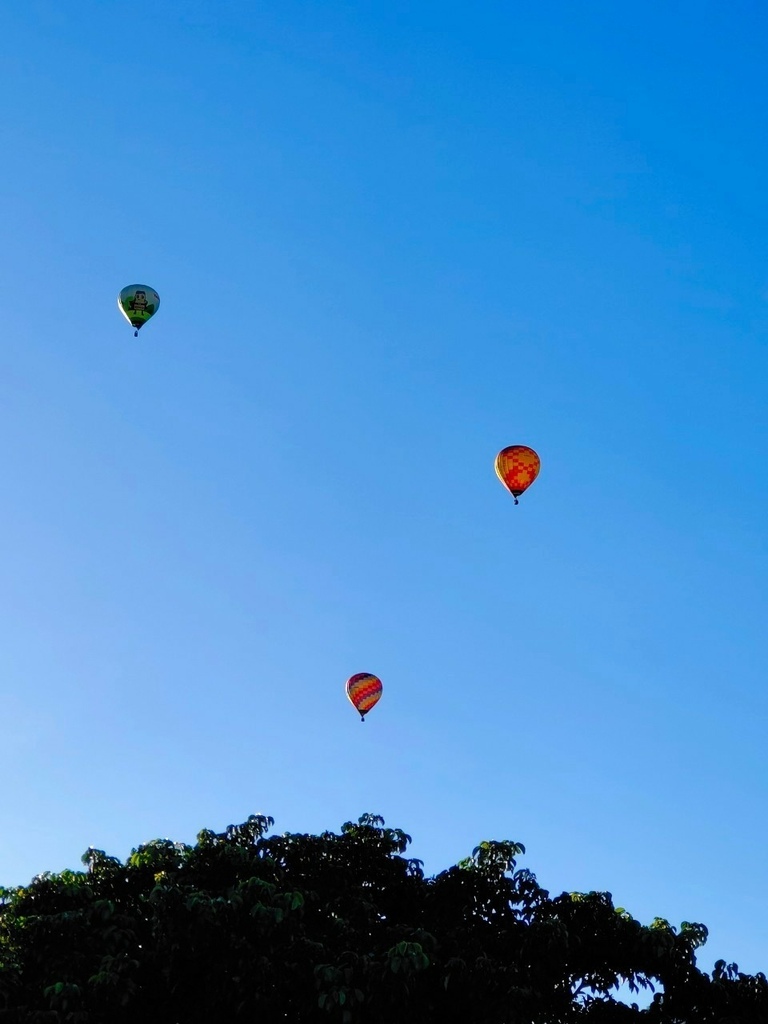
x=364 y=690
x=517 y=467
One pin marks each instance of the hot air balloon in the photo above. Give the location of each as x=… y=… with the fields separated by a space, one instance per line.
x=138 y=303
x=364 y=690
x=517 y=467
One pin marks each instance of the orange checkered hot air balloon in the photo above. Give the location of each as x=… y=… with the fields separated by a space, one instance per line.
x=517 y=467
x=364 y=690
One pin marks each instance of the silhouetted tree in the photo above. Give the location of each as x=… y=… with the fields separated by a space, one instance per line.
x=341 y=929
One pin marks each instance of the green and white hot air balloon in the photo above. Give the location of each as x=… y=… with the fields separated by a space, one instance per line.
x=138 y=303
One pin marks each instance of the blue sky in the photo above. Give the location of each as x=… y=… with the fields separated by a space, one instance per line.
x=390 y=239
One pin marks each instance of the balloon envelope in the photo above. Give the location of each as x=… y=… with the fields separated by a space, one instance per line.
x=364 y=690
x=138 y=303
x=517 y=467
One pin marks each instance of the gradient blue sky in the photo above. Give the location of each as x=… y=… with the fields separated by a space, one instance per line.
x=391 y=238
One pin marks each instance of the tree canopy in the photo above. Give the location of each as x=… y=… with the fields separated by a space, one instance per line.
x=341 y=929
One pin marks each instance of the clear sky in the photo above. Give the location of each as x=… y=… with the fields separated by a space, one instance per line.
x=391 y=238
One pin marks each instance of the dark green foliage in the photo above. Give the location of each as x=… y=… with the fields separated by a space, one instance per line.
x=340 y=929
